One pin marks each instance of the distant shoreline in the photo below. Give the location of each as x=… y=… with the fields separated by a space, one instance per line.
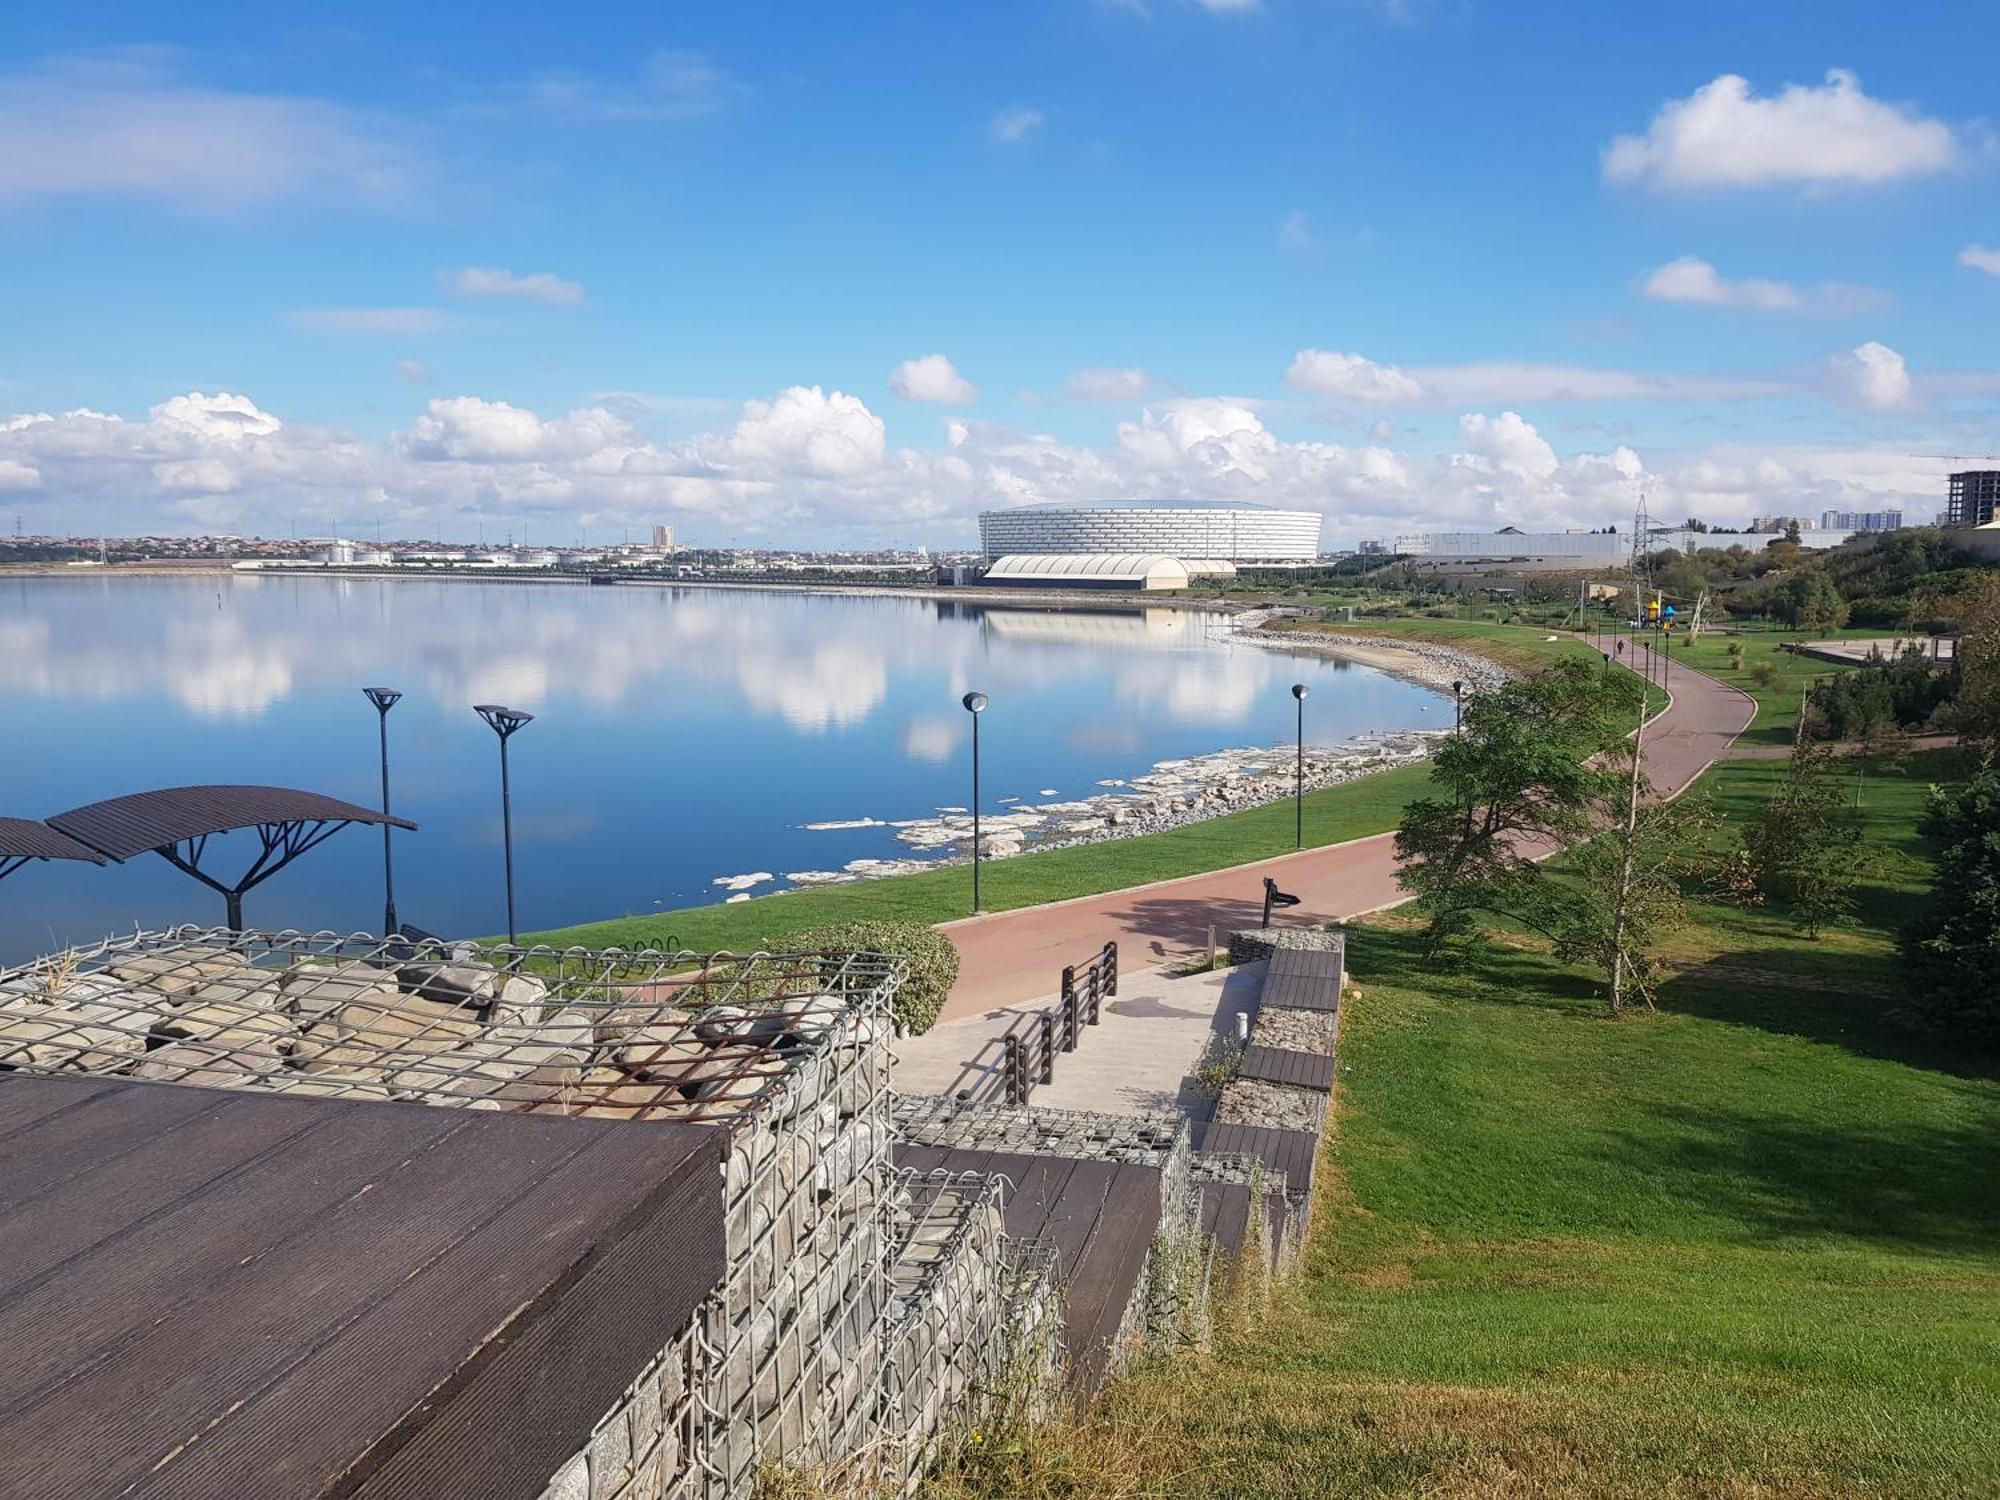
x=1038 y=599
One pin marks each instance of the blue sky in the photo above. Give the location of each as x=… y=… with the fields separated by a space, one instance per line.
x=1449 y=263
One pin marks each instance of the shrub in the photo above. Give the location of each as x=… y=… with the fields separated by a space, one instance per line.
x=931 y=963
x=1764 y=674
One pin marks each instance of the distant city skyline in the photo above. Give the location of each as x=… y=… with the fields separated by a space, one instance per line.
x=778 y=275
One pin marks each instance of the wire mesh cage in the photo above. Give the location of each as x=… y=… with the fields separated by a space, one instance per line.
x=698 y=1038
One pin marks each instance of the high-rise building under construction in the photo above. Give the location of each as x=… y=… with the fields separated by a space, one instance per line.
x=1974 y=498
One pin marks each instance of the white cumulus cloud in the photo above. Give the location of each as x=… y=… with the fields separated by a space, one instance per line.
x=1874 y=375
x=804 y=430
x=1980 y=259
x=494 y=431
x=932 y=377
x=1691 y=279
x=15 y=475
x=537 y=286
x=1351 y=377
x=1726 y=135
x=222 y=417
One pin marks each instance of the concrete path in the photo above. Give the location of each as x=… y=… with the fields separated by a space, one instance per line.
x=1015 y=957
x=1135 y=1060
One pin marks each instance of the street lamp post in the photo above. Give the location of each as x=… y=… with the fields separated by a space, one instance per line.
x=975 y=704
x=1457 y=706
x=1299 y=773
x=504 y=722
x=385 y=699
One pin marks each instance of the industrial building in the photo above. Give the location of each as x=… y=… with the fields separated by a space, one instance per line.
x=1224 y=531
x=1510 y=544
x=1974 y=499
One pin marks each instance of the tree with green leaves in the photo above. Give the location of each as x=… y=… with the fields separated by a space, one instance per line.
x=1526 y=773
x=1811 y=601
x=1953 y=948
x=1976 y=614
x=1622 y=893
x=1799 y=849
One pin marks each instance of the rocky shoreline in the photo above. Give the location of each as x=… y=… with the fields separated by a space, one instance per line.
x=1175 y=793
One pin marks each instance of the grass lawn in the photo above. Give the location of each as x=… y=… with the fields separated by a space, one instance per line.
x=1778 y=701
x=1747 y=1246
x=1521 y=648
x=1370 y=805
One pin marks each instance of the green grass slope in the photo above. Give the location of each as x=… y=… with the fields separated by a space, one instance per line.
x=1747 y=1246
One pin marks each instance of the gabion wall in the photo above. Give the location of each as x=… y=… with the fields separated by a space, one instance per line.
x=863 y=1316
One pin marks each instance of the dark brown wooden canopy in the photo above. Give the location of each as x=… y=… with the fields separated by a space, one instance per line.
x=23 y=839
x=177 y=822
x=124 y=826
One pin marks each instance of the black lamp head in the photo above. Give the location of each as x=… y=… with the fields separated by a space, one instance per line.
x=502 y=720
x=975 y=703
x=1299 y=691
x=1458 y=688
x=384 y=699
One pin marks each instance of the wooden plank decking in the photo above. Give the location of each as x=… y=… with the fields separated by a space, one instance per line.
x=1303 y=980
x=1289 y=1151
x=1306 y=1070
x=1099 y=1216
x=206 y=1293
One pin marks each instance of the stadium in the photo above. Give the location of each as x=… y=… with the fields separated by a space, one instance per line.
x=1219 y=531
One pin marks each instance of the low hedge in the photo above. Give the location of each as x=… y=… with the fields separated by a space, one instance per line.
x=931 y=963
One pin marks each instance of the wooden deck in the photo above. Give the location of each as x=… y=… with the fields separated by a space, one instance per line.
x=1306 y=1070
x=1289 y=1151
x=1099 y=1216
x=1303 y=980
x=205 y=1293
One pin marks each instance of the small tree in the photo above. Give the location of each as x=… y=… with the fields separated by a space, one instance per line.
x=1735 y=656
x=1953 y=948
x=1627 y=895
x=1976 y=613
x=1811 y=601
x=1799 y=849
x=1522 y=775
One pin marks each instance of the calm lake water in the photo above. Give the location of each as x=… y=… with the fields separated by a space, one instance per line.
x=682 y=735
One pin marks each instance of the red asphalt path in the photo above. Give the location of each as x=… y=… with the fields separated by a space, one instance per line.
x=1013 y=957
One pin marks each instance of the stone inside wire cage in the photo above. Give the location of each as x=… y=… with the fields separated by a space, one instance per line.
x=698 y=1038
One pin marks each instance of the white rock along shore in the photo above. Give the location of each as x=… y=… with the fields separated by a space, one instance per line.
x=1178 y=792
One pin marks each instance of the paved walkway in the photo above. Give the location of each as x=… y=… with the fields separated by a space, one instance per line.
x=1135 y=1060
x=1015 y=957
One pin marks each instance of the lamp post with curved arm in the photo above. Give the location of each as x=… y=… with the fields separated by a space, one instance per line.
x=1299 y=773
x=505 y=722
x=975 y=704
x=385 y=699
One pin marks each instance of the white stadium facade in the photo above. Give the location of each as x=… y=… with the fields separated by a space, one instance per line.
x=1155 y=544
